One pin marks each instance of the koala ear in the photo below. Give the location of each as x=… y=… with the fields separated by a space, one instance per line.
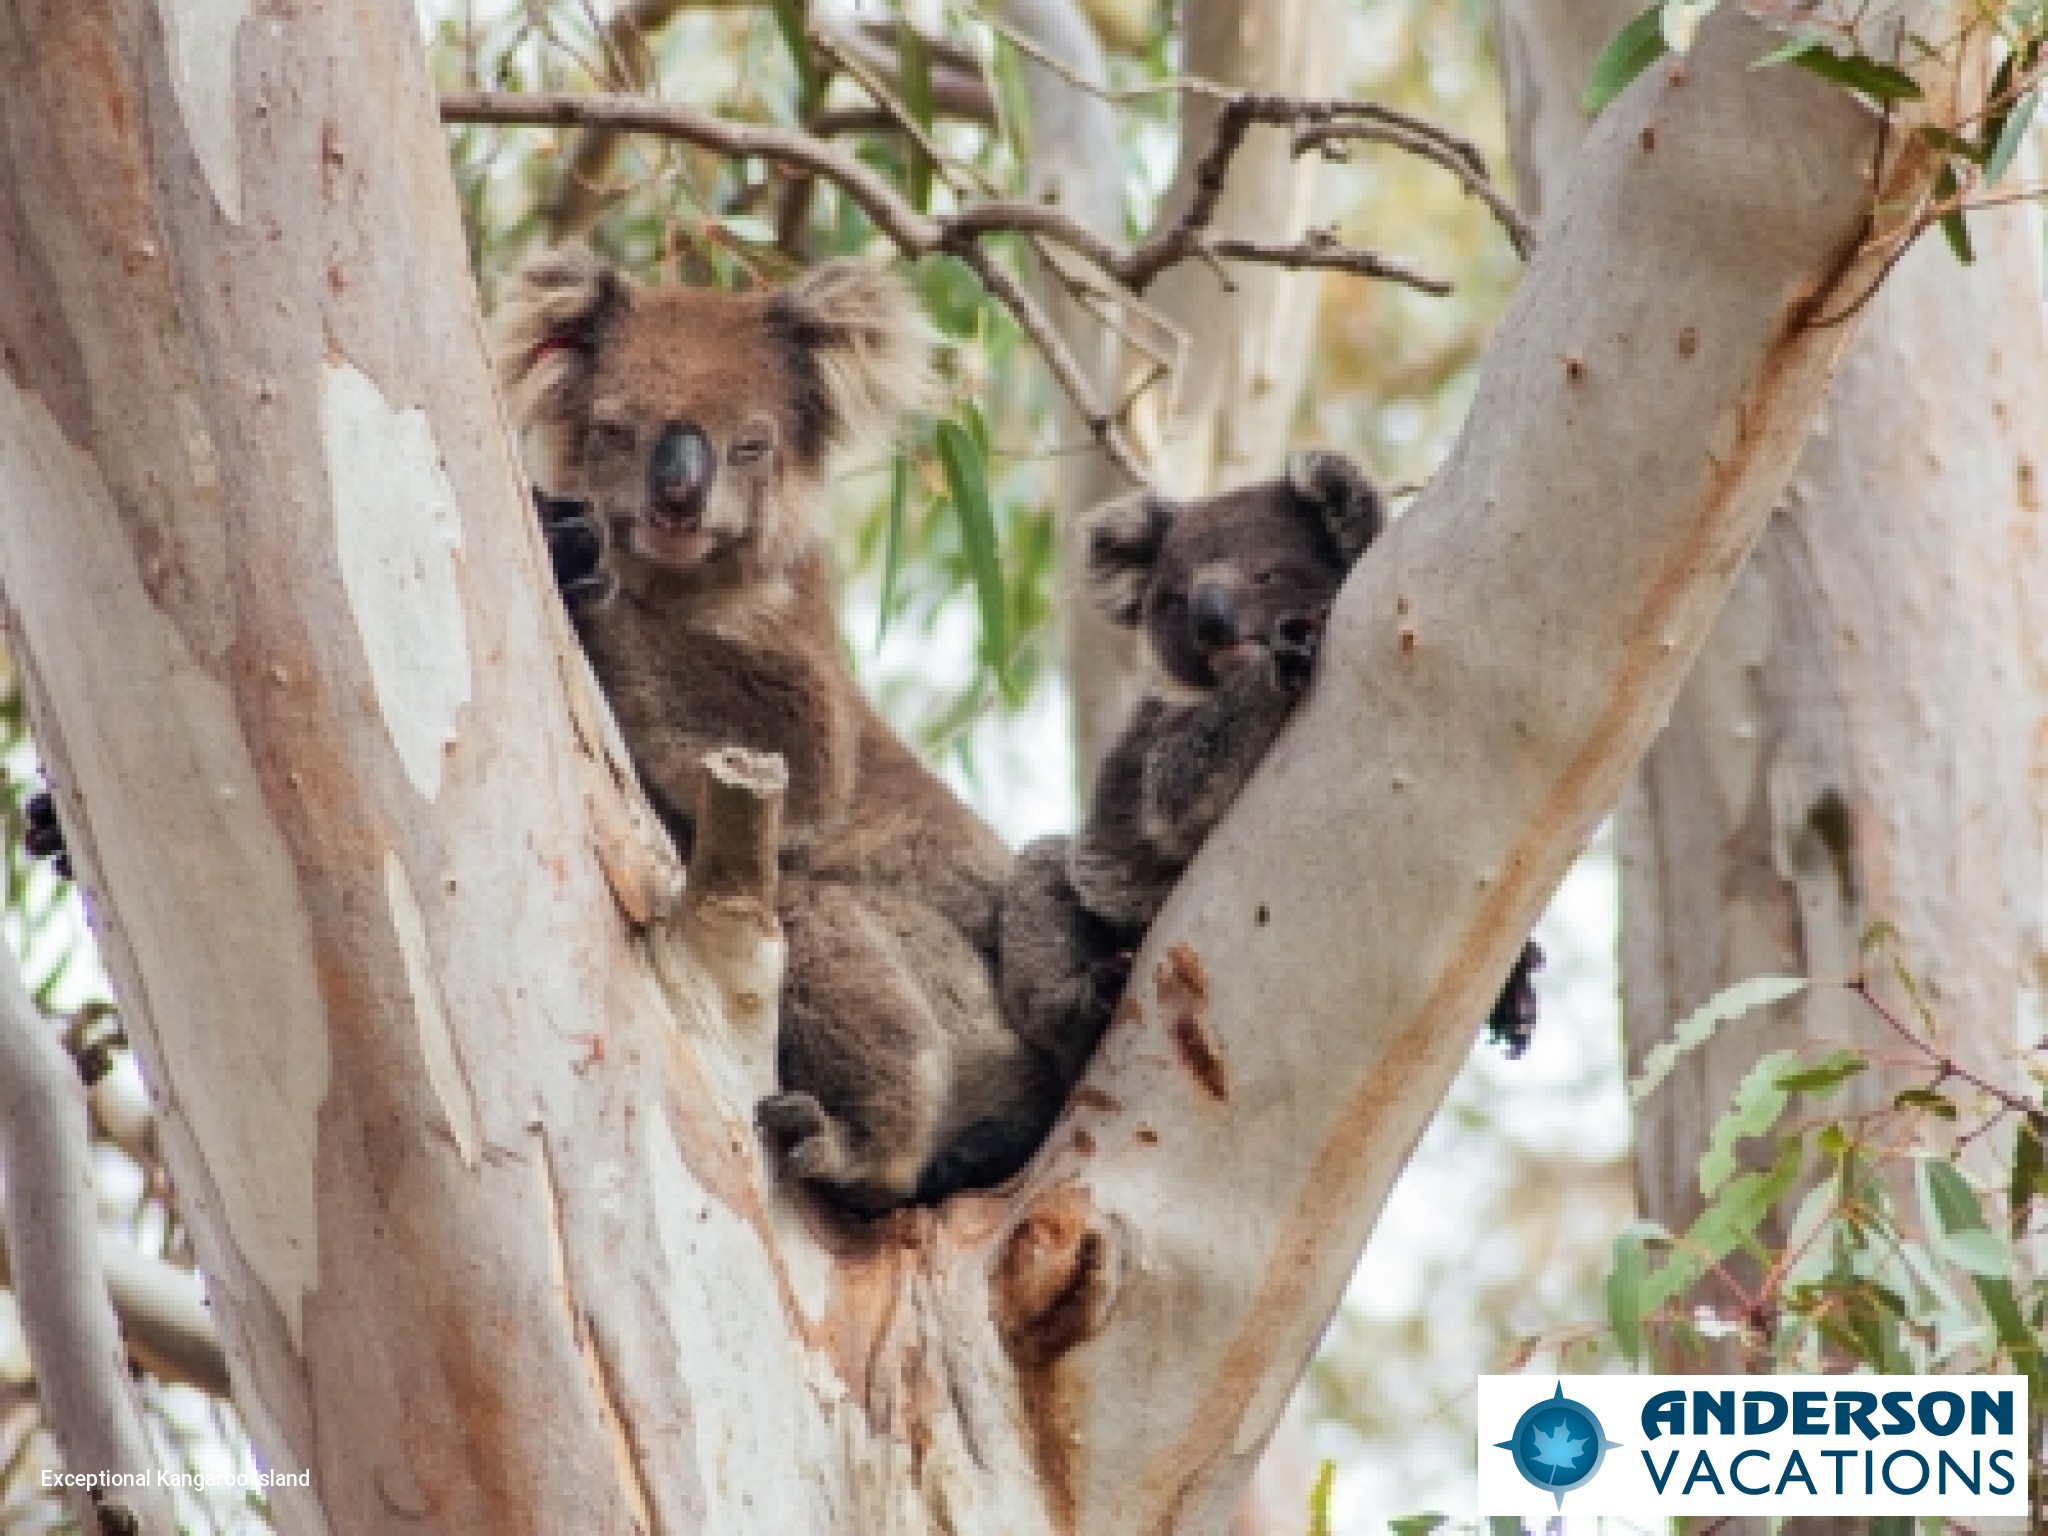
x=1124 y=539
x=869 y=344
x=545 y=332
x=1342 y=495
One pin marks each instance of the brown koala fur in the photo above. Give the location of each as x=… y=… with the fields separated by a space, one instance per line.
x=699 y=427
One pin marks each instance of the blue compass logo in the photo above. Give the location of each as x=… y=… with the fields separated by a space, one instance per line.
x=1558 y=1445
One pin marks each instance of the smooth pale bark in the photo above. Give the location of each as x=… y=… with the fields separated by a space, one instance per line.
x=51 y=1217
x=466 y=1157
x=1863 y=737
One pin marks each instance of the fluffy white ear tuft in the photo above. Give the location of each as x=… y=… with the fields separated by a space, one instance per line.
x=863 y=329
x=1341 y=494
x=1124 y=539
x=545 y=332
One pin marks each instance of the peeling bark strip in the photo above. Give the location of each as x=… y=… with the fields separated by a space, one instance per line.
x=398 y=532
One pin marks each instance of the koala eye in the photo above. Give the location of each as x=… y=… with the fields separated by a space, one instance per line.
x=1264 y=578
x=751 y=447
x=614 y=436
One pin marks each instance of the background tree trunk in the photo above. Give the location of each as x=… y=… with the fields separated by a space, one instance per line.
x=459 y=1117
x=1245 y=350
x=1863 y=736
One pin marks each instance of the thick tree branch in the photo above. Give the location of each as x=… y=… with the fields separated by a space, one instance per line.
x=1492 y=673
x=52 y=1219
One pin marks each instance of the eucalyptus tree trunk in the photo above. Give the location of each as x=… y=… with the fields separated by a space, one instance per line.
x=455 y=1087
x=1862 y=737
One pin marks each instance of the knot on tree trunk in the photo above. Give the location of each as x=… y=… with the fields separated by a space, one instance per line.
x=1057 y=1279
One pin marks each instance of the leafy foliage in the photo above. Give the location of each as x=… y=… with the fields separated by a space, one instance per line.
x=1855 y=1279
x=1977 y=148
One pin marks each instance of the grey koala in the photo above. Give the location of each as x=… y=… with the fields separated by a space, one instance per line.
x=1230 y=595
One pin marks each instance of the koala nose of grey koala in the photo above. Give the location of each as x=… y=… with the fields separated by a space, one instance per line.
x=1214 y=615
x=679 y=475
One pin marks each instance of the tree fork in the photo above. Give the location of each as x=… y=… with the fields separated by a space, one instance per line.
x=491 y=1241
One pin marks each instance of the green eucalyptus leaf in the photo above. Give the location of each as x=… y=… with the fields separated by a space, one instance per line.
x=1831 y=1071
x=1885 y=82
x=967 y=480
x=2011 y=134
x=2028 y=1167
x=1625 y=1282
x=1698 y=1027
x=1631 y=51
x=1319 y=1499
x=790 y=20
x=892 y=544
x=1787 y=51
x=914 y=83
x=1759 y=1100
x=1926 y=1099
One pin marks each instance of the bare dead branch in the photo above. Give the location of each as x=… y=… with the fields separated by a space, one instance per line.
x=1331 y=139
x=51 y=1221
x=739 y=828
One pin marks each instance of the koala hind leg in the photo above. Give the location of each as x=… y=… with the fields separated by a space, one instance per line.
x=862 y=1057
x=1063 y=968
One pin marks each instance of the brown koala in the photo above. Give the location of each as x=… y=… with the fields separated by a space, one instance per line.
x=1230 y=595
x=696 y=429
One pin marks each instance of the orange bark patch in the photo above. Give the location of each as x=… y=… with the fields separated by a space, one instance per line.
x=1183 y=987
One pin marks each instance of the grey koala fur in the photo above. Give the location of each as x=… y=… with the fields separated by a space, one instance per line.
x=1230 y=595
x=682 y=439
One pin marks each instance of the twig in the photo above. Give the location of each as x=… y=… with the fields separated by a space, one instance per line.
x=960 y=234
x=51 y=1220
x=1330 y=140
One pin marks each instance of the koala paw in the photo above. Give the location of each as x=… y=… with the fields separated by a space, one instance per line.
x=575 y=550
x=812 y=1145
x=1107 y=979
x=44 y=835
x=1512 y=1024
x=1295 y=644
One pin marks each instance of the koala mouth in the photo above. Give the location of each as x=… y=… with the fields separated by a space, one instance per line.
x=682 y=546
x=1227 y=660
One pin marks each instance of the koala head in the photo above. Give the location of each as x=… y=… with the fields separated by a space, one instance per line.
x=700 y=423
x=1205 y=582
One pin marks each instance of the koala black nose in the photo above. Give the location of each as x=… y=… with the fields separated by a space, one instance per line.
x=679 y=474
x=1214 y=615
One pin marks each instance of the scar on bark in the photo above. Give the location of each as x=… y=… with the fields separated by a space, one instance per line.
x=1183 y=987
x=1055 y=1286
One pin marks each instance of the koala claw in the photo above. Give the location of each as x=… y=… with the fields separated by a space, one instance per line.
x=813 y=1147
x=1295 y=643
x=575 y=549
x=1512 y=1024
x=44 y=836
x=791 y=1116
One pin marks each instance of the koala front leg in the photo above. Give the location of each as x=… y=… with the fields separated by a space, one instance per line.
x=1205 y=753
x=576 y=550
